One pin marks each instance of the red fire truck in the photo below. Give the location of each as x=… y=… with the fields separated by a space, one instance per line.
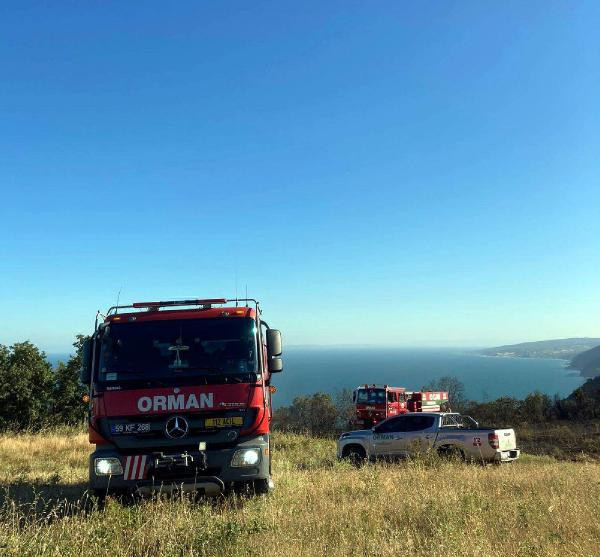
x=375 y=403
x=180 y=397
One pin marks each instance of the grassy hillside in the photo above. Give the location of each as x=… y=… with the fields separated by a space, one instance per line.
x=537 y=506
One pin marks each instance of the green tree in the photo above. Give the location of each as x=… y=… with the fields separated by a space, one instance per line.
x=68 y=405
x=315 y=414
x=345 y=408
x=504 y=411
x=536 y=407
x=26 y=382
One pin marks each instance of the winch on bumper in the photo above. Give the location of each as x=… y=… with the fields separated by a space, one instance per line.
x=207 y=470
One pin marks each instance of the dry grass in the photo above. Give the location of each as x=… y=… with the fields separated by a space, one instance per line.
x=537 y=506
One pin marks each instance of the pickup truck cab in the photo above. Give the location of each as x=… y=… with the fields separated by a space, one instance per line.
x=449 y=434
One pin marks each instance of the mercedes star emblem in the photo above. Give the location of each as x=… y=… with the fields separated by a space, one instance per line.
x=177 y=427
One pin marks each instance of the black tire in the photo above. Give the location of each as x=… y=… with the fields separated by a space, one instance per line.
x=263 y=486
x=355 y=455
x=100 y=495
x=252 y=488
x=122 y=496
x=451 y=453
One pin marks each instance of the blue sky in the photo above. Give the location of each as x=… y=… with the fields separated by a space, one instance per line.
x=402 y=173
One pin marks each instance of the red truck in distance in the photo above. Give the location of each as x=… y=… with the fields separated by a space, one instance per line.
x=375 y=403
x=180 y=397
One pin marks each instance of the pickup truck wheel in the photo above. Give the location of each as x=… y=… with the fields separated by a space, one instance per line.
x=355 y=454
x=451 y=453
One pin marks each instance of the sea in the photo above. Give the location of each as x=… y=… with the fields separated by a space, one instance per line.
x=330 y=369
x=310 y=369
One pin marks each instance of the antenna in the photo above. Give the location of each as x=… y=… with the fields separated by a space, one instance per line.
x=236 y=295
x=118 y=296
x=246 y=294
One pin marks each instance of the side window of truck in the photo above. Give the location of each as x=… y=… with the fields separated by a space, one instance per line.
x=390 y=426
x=418 y=423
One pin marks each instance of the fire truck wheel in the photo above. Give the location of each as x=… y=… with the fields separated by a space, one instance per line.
x=251 y=488
x=122 y=496
x=100 y=495
x=262 y=487
x=355 y=454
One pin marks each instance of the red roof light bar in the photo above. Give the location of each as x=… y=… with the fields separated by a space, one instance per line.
x=179 y=303
x=205 y=304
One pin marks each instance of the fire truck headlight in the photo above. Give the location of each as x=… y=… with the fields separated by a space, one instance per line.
x=245 y=457
x=108 y=467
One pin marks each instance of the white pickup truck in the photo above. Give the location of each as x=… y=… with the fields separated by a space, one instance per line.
x=449 y=434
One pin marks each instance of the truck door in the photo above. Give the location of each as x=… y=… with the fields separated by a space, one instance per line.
x=392 y=403
x=418 y=435
x=387 y=437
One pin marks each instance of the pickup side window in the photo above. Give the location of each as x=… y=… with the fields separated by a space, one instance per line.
x=391 y=425
x=418 y=423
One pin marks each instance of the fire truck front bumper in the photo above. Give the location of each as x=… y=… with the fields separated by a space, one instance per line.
x=211 y=471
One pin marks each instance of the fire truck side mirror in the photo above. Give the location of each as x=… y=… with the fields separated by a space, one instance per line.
x=85 y=373
x=275 y=365
x=274 y=343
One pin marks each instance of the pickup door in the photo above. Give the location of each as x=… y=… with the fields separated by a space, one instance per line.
x=404 y=435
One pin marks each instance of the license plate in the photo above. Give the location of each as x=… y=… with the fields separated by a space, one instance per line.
x=224 y=422
x=129 y=429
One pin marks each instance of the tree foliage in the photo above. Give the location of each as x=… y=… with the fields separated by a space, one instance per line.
x=315 y=414
x=68 y=406
x=26 y=383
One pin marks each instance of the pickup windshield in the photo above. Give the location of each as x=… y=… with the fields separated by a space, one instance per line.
x=172 y=349
x=370 y=396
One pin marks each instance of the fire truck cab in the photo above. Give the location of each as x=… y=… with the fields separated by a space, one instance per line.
x=375 y=403
x=180 y=397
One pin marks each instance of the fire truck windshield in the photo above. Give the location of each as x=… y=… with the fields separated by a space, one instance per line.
x=170 y=349
x=370 y=396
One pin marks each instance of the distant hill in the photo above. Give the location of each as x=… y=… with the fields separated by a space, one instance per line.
x=565 y=349
x=588 y=362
